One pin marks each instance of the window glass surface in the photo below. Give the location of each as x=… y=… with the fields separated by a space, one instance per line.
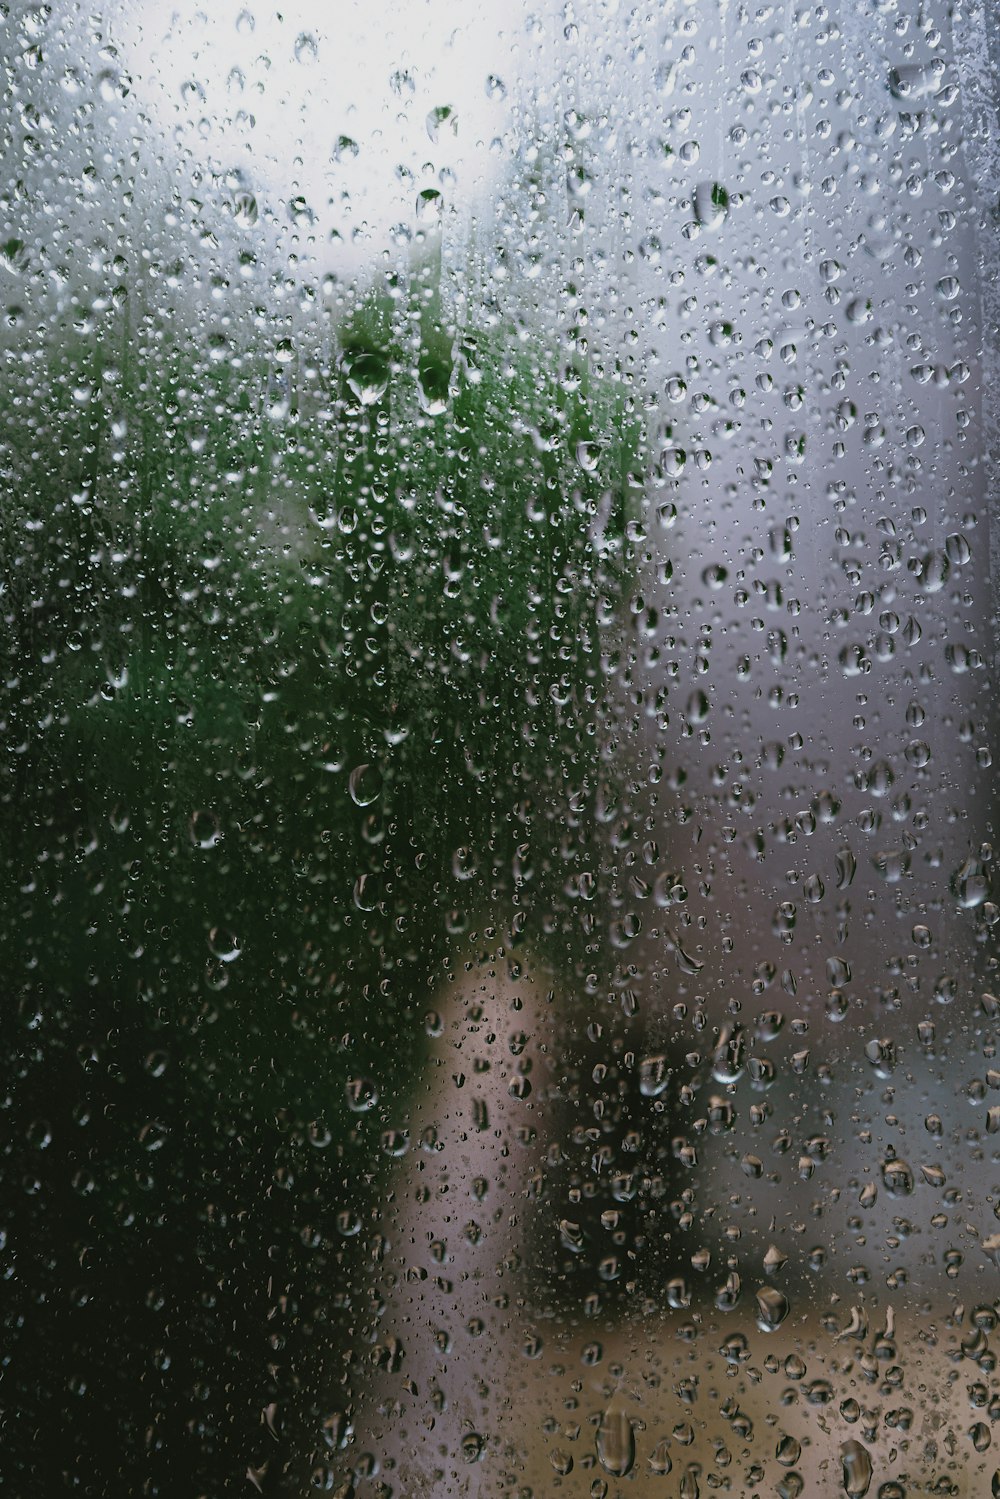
x=497 y=883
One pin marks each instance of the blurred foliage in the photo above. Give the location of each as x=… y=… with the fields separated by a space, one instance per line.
x=301 y=708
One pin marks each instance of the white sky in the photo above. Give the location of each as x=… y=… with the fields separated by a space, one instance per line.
x=270 y=90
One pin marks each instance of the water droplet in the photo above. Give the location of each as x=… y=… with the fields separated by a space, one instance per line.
x=224 y=944
x=588 y=456
x=897 y=1177
x=772 y=1308
x=729 y=1059
x=857 y=1465
x=931 y=571
x=711 y=204
x=153 y=1136
x=788 y=1451
x=439 y=118
x=365 y=785
x=970 y=884
x=245 y=210
x=362 y=1094
x=367 y=376
x=473 y=1447
x=204 y=829
x=571 y=1236
x=654 y=1075
x=690 y=1487
x=14 y=257
x=913 y=80
x=616 y=1441
x=660 y=1460
x=980 y=1436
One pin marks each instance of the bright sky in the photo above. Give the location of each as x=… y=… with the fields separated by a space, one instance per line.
x=356 y=108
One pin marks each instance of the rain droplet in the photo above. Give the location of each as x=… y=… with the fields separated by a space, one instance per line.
x=571 y=1236
x=616 y=1442
x=788 y=1452
x=711 y=204
x=857 y=1469
x=898 y=1177
x=654 y=1074
x=245 y=210
x=367 y=377
x=224 y=944
x=969 y=884
x=473 y=1447
x=772 y=1308
x=443 y=115
x=729 y=1060
x=365 y=785
x=362 y=1094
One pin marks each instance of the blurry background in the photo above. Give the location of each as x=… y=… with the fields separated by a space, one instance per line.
x=757 y=974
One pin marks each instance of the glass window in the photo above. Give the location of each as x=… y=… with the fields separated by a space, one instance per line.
x=497 y=811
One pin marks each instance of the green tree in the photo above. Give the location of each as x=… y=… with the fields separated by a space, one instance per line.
x=303 y=705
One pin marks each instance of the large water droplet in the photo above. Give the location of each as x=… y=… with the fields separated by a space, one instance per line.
x=729 y=1059
x=898 y=1177
x=473 y=1447
x=654 y=1074
x=365 y=785
x=616 y=1441
x=857 y=1469
x=362 y=1094
x=367 y=376
x=711 y=204
x=970 y=885
x=772 y=1308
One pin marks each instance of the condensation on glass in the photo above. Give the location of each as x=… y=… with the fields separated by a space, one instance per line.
x=496 y=810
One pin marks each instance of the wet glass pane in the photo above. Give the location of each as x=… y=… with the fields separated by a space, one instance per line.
x=497 y=815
